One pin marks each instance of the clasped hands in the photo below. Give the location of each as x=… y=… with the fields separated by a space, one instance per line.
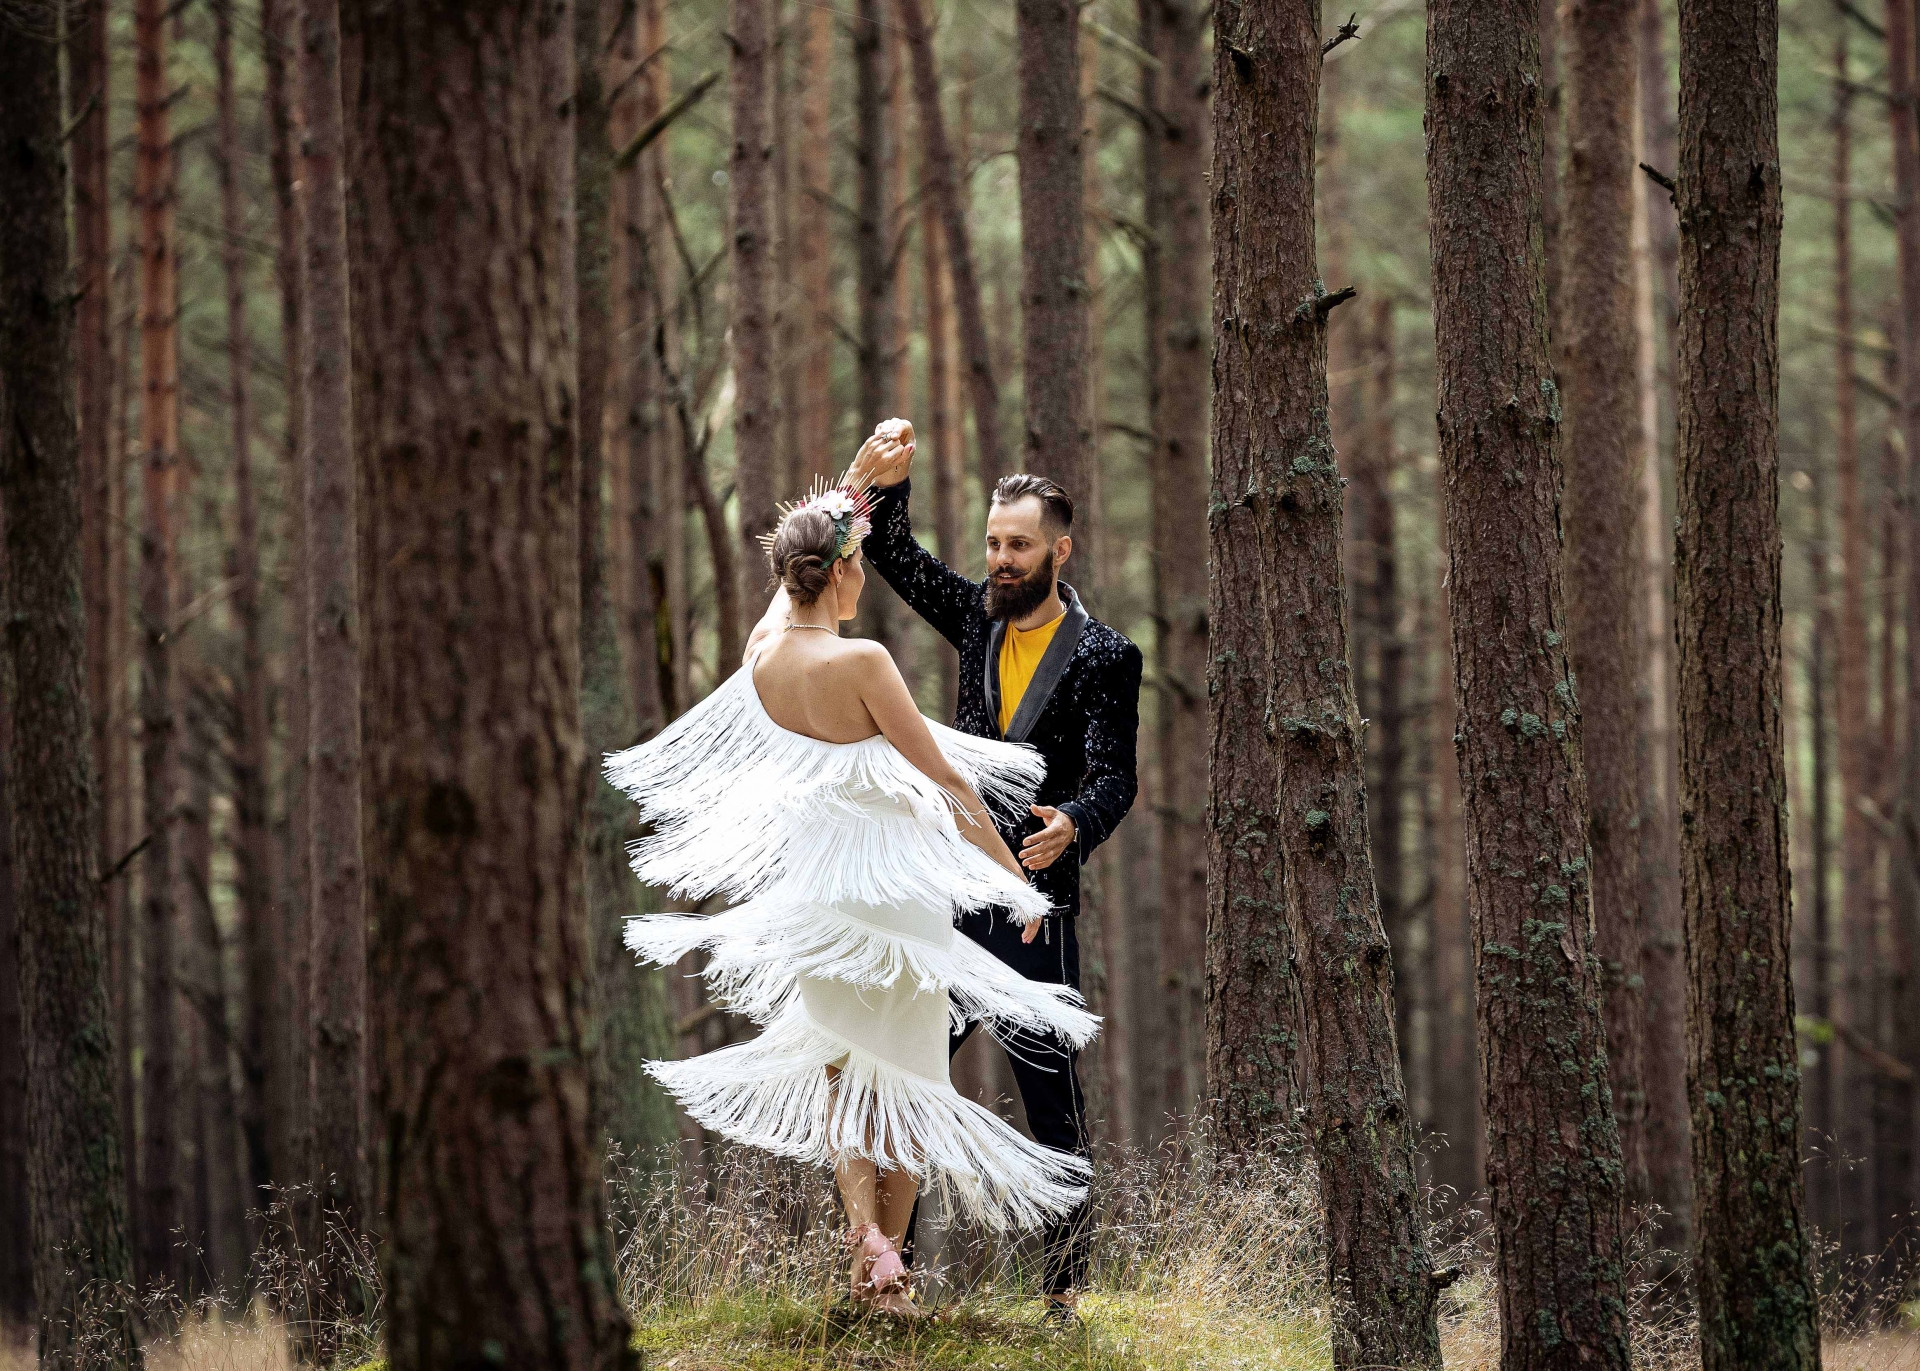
x=884 y=459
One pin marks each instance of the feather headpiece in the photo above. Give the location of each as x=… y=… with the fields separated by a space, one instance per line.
x=849 y=509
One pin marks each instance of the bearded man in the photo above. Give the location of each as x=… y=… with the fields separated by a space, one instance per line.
x=1035 y=668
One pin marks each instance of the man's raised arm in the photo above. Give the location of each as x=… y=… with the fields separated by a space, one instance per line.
x=932 y=589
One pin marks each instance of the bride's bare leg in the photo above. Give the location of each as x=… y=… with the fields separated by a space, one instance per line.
x=897 y=1190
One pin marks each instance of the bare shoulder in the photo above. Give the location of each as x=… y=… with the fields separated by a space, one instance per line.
x=865 y=661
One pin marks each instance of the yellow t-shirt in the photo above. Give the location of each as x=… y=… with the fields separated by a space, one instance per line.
x=1020 y=654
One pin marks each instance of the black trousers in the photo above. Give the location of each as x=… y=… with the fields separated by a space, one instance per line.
x=1045 y=1070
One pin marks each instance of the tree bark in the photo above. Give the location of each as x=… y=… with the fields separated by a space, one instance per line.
x=1752 y=1248
x=1458 y=1088
x=750 y=308
x=1905 y=857
x=1553 y=134
x=943 y=425
x=339 y=873
x=1552 y=1140
x=16 y=1258
x=75 y=1189
x=154 y=172
x=1858 y=1002
x=279 y=957
x=944 y=175
x=813 y=247
x=874 y=272
x=88 y=84
x=252 y=818
x=1176 y=149
x=1663 y=1056
x=1385 y=713
x=629 y=1002
x=1825 y=1199
x=1603 y=461
x=1054 y=313
x=1276 y=516
x=467 y=429
x=647 y=527
x=220 y=1207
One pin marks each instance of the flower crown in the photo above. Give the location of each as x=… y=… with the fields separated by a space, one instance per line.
x=849 y=510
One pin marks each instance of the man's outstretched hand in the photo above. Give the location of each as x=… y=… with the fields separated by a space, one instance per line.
x=1041 y=850
x=884 y=459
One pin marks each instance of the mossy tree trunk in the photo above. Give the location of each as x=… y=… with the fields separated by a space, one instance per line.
x=1752 y=1246
x=467 y=428
x=1276 y=518
x=1552 y=1141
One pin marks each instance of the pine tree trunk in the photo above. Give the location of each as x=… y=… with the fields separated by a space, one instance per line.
x=339 y=875
x=1826 y=1196
x=1457 y=1087
x=1553 y=157
x=949 y=455
x=154 y=171
x=750 y=311
x=1386 y=715
x=1177 y=146
x=467 y=430
x=1603 y=461
x=874 y=271
x=1663 y=1056
x=813 y=246
x=16 y=1258
x=1904 y=859
x=1054 y=313
x=252 y=819
x=1752 y=1248
x=88 y=83
x=1906 y=855
x=279 y=956
x=1858 y=1006
x=219 y=1178
x=75 y=1190
x=629 y=1001
x=1552 y=1140
x=117 y=766
x=944 y=172
x=1278 y=495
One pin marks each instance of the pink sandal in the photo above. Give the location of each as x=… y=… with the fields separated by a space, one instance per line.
x=884 y=1269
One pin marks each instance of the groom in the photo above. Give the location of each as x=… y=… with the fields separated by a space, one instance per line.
x=1035 y=668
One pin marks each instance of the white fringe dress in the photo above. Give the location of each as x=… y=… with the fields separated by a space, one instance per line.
x=848 y=870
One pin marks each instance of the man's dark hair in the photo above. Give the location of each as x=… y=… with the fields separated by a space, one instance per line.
x=1056 y=506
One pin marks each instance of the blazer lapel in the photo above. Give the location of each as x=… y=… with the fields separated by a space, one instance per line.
x=1046 y=676
x=995 y=636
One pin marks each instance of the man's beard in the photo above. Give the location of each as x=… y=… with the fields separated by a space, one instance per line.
x=1017 y=599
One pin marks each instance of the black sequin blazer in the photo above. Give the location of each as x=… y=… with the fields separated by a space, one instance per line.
x=1081 y=711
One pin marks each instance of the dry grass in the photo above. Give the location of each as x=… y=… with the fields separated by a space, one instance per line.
x=735 y=1265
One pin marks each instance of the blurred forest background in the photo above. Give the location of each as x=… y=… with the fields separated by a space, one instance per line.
x=203 y=812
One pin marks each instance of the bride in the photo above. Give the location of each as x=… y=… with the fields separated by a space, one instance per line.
x=849 y=831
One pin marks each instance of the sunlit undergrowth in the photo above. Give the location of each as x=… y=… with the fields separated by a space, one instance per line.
x=733 y=1263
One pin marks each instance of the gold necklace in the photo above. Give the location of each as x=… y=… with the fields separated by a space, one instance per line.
x=824 y=628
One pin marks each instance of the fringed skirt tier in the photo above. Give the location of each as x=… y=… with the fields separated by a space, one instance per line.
x=847 y=870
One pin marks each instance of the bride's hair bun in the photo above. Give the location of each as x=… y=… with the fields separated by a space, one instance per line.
x=802 y=554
